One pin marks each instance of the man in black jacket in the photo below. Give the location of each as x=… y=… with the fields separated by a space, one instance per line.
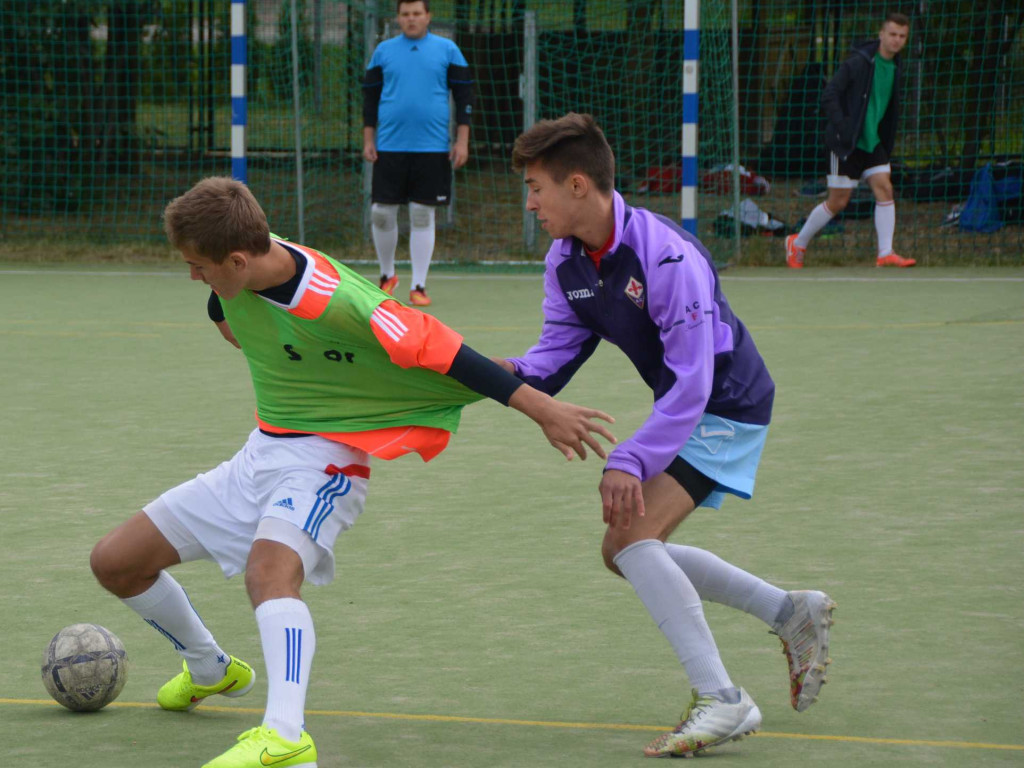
x=861 y=102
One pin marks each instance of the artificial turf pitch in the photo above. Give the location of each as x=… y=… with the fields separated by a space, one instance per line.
x=471 y=622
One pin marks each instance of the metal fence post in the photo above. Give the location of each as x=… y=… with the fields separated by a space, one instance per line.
x=736 y=227
x=369 y=43
x=297 y=109
x=691 y=66
x=239 y=168
x=528 y=93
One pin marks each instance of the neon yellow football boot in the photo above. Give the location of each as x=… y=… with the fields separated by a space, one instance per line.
x=261 y=747
x=180 y=694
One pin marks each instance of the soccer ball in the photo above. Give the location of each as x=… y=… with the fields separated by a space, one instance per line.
x=85 y=667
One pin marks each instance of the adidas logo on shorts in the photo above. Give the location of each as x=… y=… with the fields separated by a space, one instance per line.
x=286 y=503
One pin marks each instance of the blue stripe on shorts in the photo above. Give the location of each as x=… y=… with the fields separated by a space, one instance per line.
x=728 y=452
x=333 y=489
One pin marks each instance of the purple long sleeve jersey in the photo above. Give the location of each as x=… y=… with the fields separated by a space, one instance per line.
x=656 y=295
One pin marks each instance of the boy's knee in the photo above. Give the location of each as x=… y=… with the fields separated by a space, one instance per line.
x=274 y=570
x=384 y=217
x=110 y=570
x=421 y=216
x=98 y=562
x=259 y=575
x=609 y=550
x=837 y=205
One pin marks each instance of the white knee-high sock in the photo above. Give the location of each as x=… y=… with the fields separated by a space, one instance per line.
x=166 y=608
x=885 y=225
x=421 y=241
x=384 y=224
x=289 y=642
x=675 y=607
x=721 y=582
x=816 y=221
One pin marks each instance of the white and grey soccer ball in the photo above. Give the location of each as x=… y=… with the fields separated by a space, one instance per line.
x=85 y=667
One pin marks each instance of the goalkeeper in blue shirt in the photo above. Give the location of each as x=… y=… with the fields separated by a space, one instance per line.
x=406 y=137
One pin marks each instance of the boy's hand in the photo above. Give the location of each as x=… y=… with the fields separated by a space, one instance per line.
x=567 y=427
x=459 y=154
x=622 y=497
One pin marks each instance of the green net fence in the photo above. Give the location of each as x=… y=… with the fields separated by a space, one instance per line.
x=110 y=109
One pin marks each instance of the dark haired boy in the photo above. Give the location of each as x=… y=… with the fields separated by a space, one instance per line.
x=637 y=280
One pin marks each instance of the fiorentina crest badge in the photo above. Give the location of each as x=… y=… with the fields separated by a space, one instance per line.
x=635 y=291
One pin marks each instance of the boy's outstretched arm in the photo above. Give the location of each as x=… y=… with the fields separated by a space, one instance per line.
x=569 y=428
x=414 y=338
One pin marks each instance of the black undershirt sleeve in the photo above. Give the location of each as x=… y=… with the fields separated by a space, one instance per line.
x=476 y=372
x=461 y=84
x=214 y=309
x=373 y=86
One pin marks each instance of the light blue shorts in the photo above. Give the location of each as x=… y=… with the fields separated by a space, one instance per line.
x=728 y=452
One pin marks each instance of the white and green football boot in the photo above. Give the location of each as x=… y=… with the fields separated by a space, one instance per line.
x=707 y=723
x=261 y=747
x=180 y=694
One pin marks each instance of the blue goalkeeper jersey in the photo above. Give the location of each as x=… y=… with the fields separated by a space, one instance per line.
x=413 y=112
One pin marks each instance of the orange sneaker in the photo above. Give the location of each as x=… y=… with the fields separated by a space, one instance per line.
x=418 y=296
x=794 y=253
x=388 y=284
x=894 y=260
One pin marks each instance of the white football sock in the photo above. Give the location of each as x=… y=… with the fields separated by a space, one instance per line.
x=289 y=642
x=885 y=226
x=421 y=241
x=675 y=607
x=384 y=225
x=721 y=582
x=166 y=608
x=816 y=221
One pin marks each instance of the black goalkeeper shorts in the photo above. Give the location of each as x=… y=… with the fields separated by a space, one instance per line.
x=412 y=177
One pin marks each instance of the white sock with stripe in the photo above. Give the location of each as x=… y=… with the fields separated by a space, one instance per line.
x=675 y=607
x=816 y=221
x=289 y=642
x=721 y=582
x=384 y=225
x=885 y=226
x=166 y=608
x=421 y=241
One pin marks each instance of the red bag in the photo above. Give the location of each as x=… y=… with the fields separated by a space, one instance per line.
x=718 y=181
x=662 y=179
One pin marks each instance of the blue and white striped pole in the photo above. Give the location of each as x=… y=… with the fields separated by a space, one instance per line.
x=239 y=167
x=691 y=64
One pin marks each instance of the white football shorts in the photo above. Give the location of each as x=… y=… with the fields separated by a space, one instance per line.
x=299 y=491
